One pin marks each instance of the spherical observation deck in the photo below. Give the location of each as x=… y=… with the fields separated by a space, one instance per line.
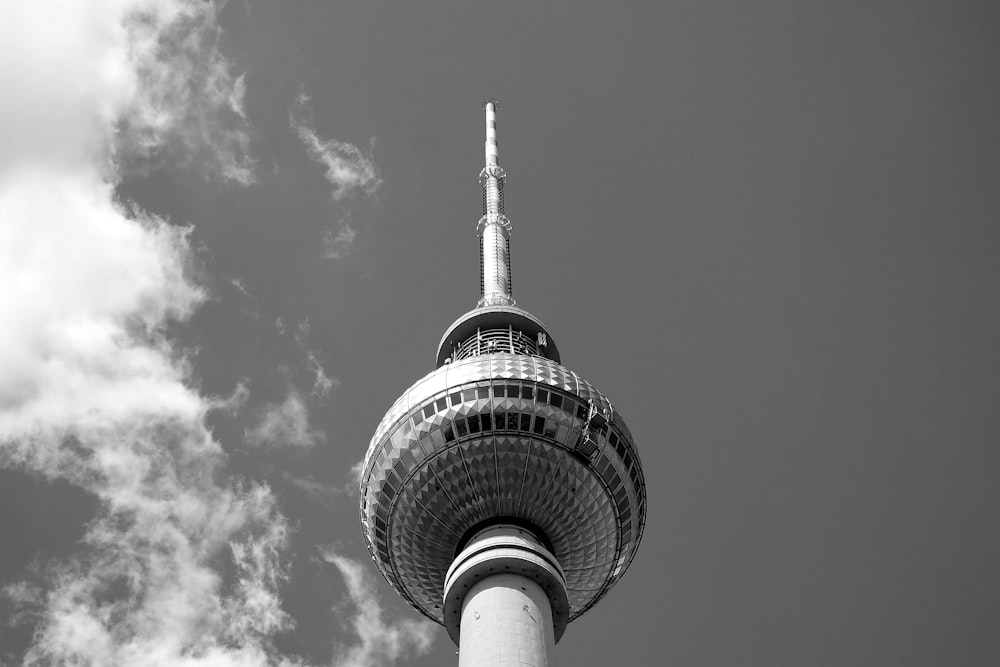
x=501 y=437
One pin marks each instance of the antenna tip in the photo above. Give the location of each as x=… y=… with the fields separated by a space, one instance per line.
x=490 y=100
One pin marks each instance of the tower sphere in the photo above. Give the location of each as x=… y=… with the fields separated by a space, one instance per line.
x=501 y=442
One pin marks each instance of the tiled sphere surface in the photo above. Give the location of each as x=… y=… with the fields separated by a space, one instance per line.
x=496 y=436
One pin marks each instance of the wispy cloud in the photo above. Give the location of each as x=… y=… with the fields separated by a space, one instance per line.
x=338 y=244
x=241 y=287
x=92 y=390
x=284 y=424
x=323 y=384
x=188 y=102
x=379 y=642
x=350 y=171
x=236 y=401
x=183 y=562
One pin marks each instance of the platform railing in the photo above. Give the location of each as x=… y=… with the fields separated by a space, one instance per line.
x=494 y=341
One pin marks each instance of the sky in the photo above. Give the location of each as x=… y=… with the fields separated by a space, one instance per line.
x=232 y=234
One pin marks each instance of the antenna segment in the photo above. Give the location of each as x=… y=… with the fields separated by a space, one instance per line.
x=494 y=227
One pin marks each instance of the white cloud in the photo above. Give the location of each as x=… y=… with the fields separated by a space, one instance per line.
x=188 y=102
x=236 y=401
x=379 y=642
x=182 y=564
x=91 y=389
x=302 y=329
x=92 y=392
x=101 y=83
x=284 y=424
x=323 y=384
x=337 y=245
x=326 y=494
x=357 y=470
x=350 y=171
x=241 y=287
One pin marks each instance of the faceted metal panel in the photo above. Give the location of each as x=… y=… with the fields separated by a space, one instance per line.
x=502 y=435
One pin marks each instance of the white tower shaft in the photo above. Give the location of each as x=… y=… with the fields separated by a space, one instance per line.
x=505 y=600
x=507 y=621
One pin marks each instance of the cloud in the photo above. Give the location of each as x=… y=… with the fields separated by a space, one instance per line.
x=284 y=424
x=108 y=83
x=182 y=563
x=189 y=104
x=241 y=287
x=337 y=245
x=236 y=401
x=323 y=384
x=93 y=392
x=330 y=496
x=350 y=171
x=378 y=642
x=357 y=471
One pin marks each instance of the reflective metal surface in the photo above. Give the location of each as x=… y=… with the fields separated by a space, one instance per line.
x=495 y=436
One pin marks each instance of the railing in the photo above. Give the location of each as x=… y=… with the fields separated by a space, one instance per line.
x=492 y=341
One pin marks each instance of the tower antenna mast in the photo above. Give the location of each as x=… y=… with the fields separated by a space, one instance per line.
x=494 y=227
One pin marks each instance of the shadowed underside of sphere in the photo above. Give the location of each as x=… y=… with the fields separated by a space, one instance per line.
x=502 y=436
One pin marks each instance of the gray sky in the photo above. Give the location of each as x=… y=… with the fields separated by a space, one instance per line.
x=767 y=231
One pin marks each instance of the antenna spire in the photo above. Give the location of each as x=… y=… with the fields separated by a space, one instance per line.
x=494 y=227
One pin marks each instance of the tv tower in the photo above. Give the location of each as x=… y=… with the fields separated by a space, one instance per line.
x=502 y=495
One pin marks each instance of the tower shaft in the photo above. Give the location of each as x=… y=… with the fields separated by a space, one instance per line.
x=505 y=600
x=507 y=620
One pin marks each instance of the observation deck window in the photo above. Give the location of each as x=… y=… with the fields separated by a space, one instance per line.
x=539 y=425
x=550 y=430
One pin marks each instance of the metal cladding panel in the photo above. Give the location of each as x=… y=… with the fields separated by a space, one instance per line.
x=501 y=436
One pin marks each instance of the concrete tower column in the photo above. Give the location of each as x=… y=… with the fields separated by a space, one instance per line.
x=505 y=600
x=507 y=620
